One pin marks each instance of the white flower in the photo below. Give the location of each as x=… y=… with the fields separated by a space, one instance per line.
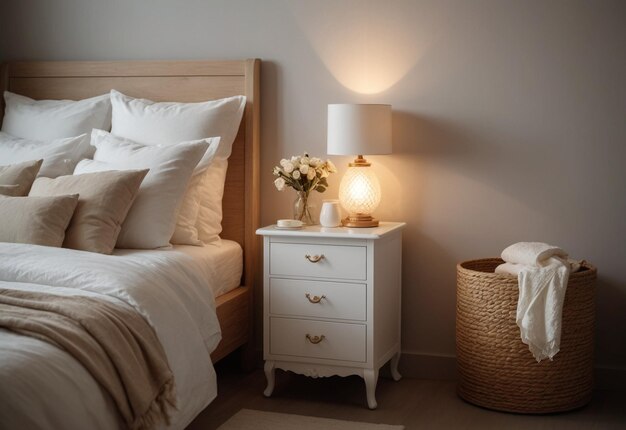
x=302 y=171
x=288 y=166
x=279 y=183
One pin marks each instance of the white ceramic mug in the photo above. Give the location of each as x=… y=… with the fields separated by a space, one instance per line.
x=330 y=216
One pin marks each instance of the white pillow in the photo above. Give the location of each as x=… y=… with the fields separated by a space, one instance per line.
x=59 y=155
x=54 y=119
x=151 y=220
x=152 y=123
x=185 y=232
x=211 y=192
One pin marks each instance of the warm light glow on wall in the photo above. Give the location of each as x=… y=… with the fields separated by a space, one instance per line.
x=368 y=46
x=365 y=61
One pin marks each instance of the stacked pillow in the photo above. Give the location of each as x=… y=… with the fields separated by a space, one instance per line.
x=152 y=220
x=16 y=179
x=54 y=119
x=157 y=178
x=103 y=203
x=60 y=156
x=55 y=134
x=36 y=220
x=55 y=130
x=151 y=123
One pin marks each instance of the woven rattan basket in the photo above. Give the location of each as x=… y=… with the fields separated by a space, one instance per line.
x=496 y=370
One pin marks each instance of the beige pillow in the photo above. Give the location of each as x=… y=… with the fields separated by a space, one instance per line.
x=10 y=190
x=105 y=198
x=16 y=179
x=36 y=220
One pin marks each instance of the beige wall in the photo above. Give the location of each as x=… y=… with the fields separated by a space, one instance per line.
x=509 y=117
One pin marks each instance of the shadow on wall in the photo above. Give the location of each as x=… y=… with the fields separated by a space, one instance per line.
x=494 y=181
x=446 y=172
x=429 y=276
x=428 y=293
x=610 y=332
x=272 y=141
x=500 y=160
x=466 y=194
x=271 y=102
x=271 y=96
x=426 y=136
x=471 y=153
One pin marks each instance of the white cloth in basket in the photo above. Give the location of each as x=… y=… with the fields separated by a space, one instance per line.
x=542 y=272
x=531 y=253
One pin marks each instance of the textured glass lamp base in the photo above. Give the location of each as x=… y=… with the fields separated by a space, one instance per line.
x=359 y=221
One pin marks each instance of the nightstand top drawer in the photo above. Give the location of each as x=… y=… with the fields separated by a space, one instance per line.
x=318 y=261
x=318 y=299
x=318 y=339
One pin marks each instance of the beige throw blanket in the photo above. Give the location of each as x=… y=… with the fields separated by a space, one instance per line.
x=113 y=342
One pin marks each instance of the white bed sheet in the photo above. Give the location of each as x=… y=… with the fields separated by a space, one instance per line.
x=43 y=387
x=221 y=261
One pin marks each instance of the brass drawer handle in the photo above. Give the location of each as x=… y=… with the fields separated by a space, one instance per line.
x=315 y=339
x=314 y=299
x=314 y=258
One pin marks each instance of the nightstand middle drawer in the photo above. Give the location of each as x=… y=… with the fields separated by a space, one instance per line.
x=318 y=260
x=320 y=299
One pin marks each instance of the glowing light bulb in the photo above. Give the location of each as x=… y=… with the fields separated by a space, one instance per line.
x=359 y=191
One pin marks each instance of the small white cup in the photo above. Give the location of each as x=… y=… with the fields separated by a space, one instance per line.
x=330 y=215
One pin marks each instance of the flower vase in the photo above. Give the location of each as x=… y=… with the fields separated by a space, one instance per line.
x=303 y=209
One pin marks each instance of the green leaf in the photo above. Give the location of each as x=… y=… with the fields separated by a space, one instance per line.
x=320 y=188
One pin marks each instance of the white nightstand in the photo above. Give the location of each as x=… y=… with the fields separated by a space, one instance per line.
x=332 y=302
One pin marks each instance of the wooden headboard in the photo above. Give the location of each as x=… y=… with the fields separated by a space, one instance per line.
x=179 y=81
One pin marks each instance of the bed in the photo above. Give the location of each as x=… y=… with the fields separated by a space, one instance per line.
x=151 y=277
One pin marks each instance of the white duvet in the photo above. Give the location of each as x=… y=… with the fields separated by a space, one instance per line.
x=43 y=387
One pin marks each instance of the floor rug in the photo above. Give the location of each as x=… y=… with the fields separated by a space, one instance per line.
x=247 y=419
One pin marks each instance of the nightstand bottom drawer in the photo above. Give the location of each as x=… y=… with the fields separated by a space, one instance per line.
x=318 y=339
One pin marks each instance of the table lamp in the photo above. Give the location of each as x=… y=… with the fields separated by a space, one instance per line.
x=358 y=129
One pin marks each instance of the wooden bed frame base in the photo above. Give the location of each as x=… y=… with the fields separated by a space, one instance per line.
x=233 y=312
x=179 y=81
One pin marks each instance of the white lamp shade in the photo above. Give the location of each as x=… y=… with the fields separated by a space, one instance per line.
x=359 y=129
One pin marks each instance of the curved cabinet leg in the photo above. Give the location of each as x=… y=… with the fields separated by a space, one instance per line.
x=394 y=367
x=270 y=373
x=371 y=378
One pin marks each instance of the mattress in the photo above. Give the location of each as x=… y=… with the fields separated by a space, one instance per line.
x=41 y=386
x=221 y=262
